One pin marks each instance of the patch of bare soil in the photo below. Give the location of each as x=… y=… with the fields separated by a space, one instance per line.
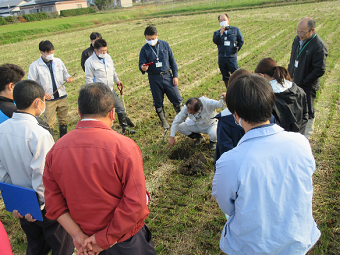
x=196 y=165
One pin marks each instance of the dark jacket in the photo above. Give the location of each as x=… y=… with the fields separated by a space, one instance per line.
x=85 y=55
x=290 y=109
x=234 y=36
x=312 y=62
x=228 y=133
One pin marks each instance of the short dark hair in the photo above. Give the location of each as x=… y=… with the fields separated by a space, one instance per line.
x=10 y=73
x=269 y=67
x=99 y=43
x=95 y=99
x=237 y=74
x=311 y=23
x=150 y=30
x=25 y=92
x=222 y=14
x=251 y=97
x=46 y=46
x=95 y=35
x=195 y=102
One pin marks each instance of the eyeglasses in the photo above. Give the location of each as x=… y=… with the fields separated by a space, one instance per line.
x=302 y=33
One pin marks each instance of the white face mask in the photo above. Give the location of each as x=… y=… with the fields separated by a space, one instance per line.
x=152 y=42
x=102 y=55
x=224 y=24
x=239 y=120
x=49 y=57
x=41 y=112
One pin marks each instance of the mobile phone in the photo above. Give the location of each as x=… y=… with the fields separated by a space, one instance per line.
x=148 y=64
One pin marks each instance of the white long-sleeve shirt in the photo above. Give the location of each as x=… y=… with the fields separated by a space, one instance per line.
x=100 y=70
x=39 y=72
x=23 y=148
x=203 y=118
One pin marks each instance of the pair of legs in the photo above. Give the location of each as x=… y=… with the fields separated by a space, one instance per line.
x=60 y=107
x=140 y=244
x=310 y=94
x=46 y=235
x=227 y=67
x=160 y=85
x=193 y=131
x=124 y=121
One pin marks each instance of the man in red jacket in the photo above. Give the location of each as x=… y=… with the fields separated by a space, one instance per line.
x=95 y=184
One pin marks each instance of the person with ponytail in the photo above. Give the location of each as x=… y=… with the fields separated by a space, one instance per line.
x=290 y=108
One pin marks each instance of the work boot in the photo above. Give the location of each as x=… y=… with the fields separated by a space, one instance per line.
x=62 y=130
x=199 y=138
x=212 y=146
x=123 y=123
x=177 y=108
x=161 y=115
x=309 y=128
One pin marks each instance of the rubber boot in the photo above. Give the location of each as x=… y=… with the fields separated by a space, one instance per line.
x=161 y=115
x=129 y=122
x=212 y=146
x=309 y=128
x=123 y=123
x=62 y=130
x=177 y=108
x=199 y=138
x=226 y=82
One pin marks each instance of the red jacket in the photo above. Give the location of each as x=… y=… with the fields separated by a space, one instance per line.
x=5 y=247
x=97 y=175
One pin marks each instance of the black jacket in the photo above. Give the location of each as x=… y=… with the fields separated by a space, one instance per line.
x=290 y=109
x=312 y=62
x=85 y=55
x=235 y=37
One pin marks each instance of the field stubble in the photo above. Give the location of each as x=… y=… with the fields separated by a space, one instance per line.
x=184 y=218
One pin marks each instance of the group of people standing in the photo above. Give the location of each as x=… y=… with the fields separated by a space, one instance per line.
x=91 y=184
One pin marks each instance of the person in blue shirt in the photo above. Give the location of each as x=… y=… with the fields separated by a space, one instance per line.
x=265 y=183
x=229 y=41
x=162 y=74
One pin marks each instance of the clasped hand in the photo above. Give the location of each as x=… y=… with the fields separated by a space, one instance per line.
x=86 y=245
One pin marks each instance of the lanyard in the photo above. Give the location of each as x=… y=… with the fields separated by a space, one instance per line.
x=154 y=51
x=303 y=47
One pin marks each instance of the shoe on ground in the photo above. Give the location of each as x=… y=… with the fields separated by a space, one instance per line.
x=200 y=139
x=212 y=146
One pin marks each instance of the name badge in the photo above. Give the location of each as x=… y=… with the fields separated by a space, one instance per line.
x=159 y=64
x=296 y=63
x=226 y=43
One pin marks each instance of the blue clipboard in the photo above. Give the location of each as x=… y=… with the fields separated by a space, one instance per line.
x=22 y=199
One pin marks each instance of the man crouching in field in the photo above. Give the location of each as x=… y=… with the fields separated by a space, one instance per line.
x=95 y=184
x=265 y=183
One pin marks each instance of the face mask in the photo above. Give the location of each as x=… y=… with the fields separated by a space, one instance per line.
x=239 y=120
x=49 y=57
x=224 y=24
x=152 y=42
x=41 y=112
x=102 y=55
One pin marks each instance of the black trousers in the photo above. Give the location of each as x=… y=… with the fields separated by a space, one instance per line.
x=139 y=244
x=46 y=235
x=310 y=94
x=227 y=67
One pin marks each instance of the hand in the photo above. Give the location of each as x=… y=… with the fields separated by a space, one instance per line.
x=175 y=81
x=119 y=84
x=17 y=215
x=222 y=30
x=92 y=246
x=48 y=96
x=29 y=218
x=70 y=79
x=223 y=95
x=78 y=241
x=172 y=141
x=145 y=68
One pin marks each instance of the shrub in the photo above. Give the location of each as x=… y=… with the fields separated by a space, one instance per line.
x=9 y=19
x=22 y=19
x=42 y=15
x=76 y=12
x=30 y=17
x=53 y=14
x=3 y=21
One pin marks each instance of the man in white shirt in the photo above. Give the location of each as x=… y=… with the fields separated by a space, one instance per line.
x=51 y=73
x=23 y=148
x=197 y=116
x=100 y=68
x=265 y=183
